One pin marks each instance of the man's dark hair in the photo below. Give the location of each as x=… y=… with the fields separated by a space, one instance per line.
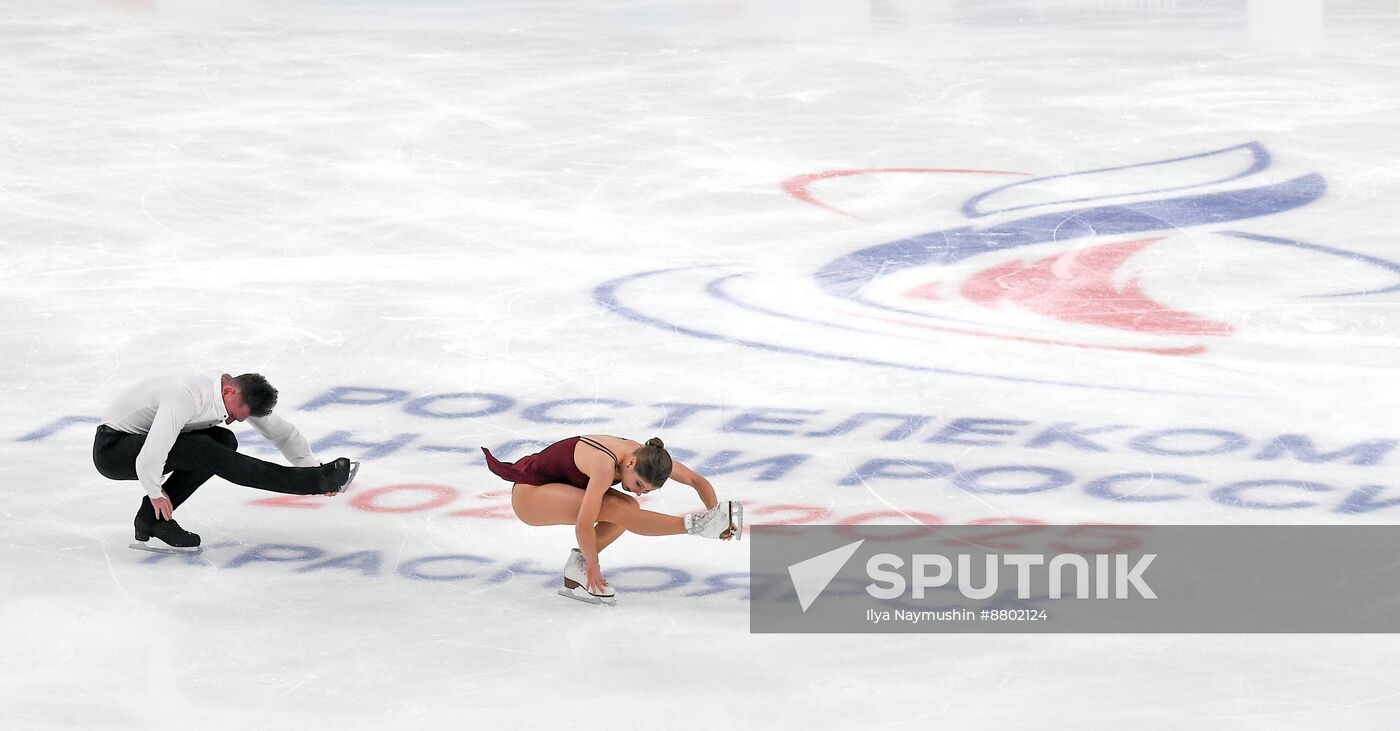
x=257 y=393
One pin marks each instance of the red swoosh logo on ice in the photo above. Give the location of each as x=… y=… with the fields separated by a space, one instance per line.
x=797 y=186
x=1078 y=286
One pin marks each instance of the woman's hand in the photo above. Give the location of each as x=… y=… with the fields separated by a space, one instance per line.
x=596 y=584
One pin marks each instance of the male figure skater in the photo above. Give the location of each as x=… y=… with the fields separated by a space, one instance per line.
x=172 y=425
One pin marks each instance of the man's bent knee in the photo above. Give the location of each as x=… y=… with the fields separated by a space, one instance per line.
x=223 y=436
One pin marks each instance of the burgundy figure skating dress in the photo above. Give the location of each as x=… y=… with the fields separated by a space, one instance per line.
x=554 y=463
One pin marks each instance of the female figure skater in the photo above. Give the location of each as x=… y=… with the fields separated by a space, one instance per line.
x=571 y=483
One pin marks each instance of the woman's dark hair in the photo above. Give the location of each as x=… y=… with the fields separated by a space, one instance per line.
x=653 y=462
x=257 y=393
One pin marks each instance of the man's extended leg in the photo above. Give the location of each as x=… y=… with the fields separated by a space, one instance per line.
x=198 y=452
x=212 y=451
x=182 y=483
x=114 y=453
x=197 y=456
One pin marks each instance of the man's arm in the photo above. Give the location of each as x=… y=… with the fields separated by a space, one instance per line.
x=175 y=410
x=288 y=439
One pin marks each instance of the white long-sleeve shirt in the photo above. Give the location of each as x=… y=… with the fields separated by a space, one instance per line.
x=163 y=407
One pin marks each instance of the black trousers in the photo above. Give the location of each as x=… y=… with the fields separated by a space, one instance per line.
x=195 y=457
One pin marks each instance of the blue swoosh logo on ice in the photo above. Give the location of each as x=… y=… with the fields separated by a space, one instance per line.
x=846 y=275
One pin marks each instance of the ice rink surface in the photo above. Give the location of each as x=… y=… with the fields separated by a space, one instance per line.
x=1111 y=261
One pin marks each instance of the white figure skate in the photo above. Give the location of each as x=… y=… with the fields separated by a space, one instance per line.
x=576 y=582
x=725 y=519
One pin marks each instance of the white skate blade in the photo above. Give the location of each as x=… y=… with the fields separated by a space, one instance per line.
x=156 y=545
x=736 y=519
x=581 y=594
x=571 y=583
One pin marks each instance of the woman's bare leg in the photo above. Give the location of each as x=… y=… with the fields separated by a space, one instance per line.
x=605 y=533
x=558 y=504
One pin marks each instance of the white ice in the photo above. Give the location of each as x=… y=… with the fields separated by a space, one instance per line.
x=576 y=211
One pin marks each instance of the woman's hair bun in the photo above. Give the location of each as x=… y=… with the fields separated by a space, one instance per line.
x=655 y=442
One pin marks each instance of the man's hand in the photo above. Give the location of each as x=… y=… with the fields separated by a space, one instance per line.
x=164 y=510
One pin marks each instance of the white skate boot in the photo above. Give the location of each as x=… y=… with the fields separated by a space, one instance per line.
x=725 y=519
x=576 y=582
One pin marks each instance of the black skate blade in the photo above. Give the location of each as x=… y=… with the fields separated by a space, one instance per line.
x=156 y=547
